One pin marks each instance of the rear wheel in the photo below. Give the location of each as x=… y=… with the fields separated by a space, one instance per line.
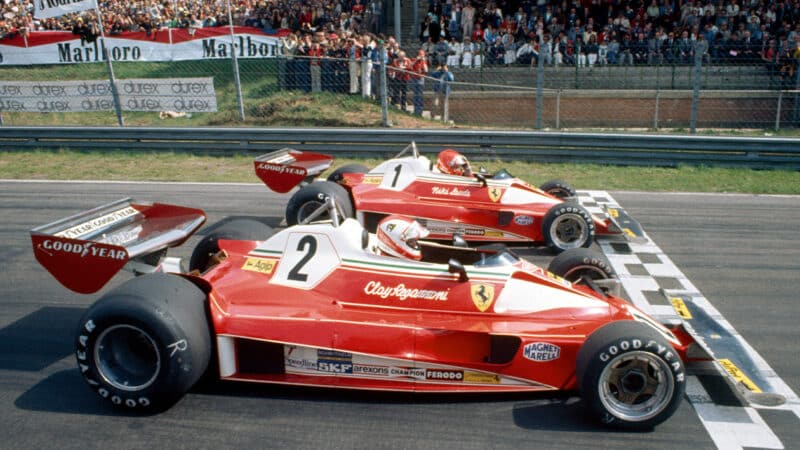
x=238 y=229
x=630 y=376
x=558 y=188
x=145 y=344
x=336 y=175
x=579 y=263
x=567 y=225
x=310 y=197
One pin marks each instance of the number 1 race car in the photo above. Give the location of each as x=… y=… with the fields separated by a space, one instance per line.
x=317 y=305
x=481 y=208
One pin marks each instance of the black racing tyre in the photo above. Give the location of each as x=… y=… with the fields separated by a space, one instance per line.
x=336 y=175
x=237 y=229
x=146 y=343
x=558 y=188
x=568 y=225
x=630 y=377
x=312 y=196
x=578 y=263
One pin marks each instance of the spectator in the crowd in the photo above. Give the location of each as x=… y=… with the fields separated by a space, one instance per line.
x=441 y=88
x=454 y=51
x=419 y=69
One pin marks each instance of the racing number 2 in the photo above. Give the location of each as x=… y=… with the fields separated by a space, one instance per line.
x=307 y=244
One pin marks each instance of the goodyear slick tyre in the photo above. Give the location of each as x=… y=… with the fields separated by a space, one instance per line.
x=630 y=376
x=238 y=229
x=568 y=225
x=146 y=343
x=336 y=175
x=577 y=263
x=312 y=196
x=558 y=188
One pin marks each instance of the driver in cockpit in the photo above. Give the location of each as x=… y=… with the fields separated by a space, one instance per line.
x=453 y=163
x=399 y=236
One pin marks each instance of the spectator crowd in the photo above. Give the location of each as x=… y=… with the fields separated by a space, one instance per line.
x=471 y=33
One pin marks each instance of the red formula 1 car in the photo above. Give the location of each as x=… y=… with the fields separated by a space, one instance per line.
x=317 y=305
x=480 y=207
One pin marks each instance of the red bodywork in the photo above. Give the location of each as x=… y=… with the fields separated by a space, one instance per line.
x=334 y=313
x=317 y=305
x=481 y=208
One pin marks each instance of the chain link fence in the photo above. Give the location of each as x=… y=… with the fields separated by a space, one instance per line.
x=703 y=93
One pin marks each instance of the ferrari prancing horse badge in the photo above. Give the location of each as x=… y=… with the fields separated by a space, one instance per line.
x=482 y=296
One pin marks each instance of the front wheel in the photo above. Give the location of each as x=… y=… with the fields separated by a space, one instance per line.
x=558 y=188
x=145 y=344
x=630 y=376
x=305 y=201
x=578 y=263
x=568 y=225
x=238 y=229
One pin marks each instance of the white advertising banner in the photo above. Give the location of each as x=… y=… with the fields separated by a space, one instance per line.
x=54 y=8
x=63 y=47
x=188 y=95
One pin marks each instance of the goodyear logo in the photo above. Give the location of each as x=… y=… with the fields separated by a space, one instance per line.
x=482 y=296
x=264 y=266
x=541 y=351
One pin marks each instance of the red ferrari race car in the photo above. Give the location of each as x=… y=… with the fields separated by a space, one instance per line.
x=328 y=304
x=447 y=198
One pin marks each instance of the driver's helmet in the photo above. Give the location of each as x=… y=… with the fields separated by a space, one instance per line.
x=453 y=163
x=398 y=235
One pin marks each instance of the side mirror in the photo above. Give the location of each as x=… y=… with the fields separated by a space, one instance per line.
x=455 y=266
x=459 y=241
x=481 y=177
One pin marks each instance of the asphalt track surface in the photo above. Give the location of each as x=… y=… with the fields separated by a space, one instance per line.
x=741 y=251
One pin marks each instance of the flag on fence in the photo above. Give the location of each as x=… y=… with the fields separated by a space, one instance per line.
x=55 y=8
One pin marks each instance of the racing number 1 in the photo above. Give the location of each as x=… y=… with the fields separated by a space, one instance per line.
x=311 y=243
x=396 y=174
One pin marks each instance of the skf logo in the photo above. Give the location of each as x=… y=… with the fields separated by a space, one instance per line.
x=482 y=296
x=495 y=193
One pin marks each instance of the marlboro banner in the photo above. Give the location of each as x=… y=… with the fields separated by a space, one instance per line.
x=189 y=95
x=55 y=8
x=174 y=44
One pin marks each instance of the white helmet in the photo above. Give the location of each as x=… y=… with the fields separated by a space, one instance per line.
x=398 y=235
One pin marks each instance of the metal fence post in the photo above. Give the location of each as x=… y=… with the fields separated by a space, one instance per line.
x=778 y=113
x=235 y=62
x=796 y=115
x=558 y=109
x=539 y=84
x=383 y=93
x=655 y=116
x=696 y=82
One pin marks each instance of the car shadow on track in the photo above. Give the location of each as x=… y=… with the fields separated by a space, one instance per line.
x=39 y=339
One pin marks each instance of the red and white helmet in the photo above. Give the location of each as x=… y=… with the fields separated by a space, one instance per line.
x=453 y=163
x=398 y=235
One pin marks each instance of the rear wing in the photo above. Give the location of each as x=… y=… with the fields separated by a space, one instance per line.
x=84 y=251
x=286 y=168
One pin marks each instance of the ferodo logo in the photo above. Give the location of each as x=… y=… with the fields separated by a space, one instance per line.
x=83 y=249
x=541 y=351
x=444 y=375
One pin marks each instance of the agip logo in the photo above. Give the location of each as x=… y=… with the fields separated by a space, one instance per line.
x=482 y=296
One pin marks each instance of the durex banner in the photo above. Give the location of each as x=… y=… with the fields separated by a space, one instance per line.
x=187 y=95
x=54 y=8
x=63 y=47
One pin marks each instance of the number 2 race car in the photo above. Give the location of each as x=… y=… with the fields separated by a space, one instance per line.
x=481 y=207
x=318 y=305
